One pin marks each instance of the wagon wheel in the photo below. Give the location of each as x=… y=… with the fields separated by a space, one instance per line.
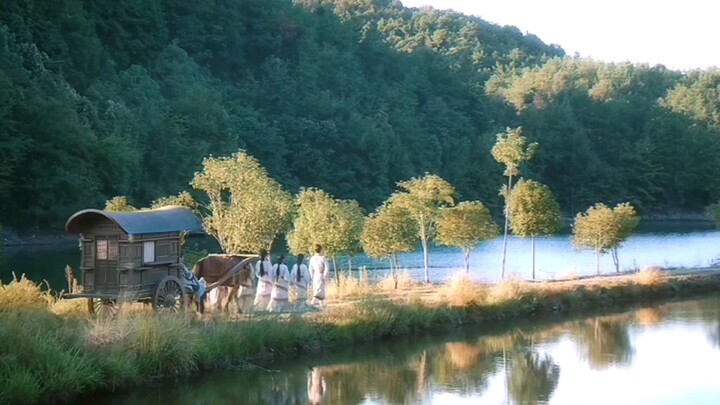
x=103 y=307
x=170 y=295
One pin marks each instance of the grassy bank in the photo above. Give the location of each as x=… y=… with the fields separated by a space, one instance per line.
x=51 y=351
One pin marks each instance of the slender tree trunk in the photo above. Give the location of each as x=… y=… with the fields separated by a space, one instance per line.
x=466 y=255
x=616 y=260
x=393 y=268
x=597 y=261
x=505 y=233
x=533 y=257
x=337 y=273
x=426 y=260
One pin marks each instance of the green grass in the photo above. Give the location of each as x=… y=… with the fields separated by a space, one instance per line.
x=52 y=352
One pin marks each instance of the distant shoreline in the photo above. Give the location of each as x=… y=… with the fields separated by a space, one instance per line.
x=13 y=238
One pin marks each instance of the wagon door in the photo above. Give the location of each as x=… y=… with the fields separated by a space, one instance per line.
x=106 y=264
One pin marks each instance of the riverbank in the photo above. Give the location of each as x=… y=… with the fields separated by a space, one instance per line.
x=53 y=352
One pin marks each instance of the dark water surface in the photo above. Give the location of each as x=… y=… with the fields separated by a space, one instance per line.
x=663 y=354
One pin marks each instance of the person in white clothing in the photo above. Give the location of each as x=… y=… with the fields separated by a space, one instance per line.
x=279 y=293
x=318 y=272
x=246 y=291
x=299 y=279
x=264 y=275
x=316 y=387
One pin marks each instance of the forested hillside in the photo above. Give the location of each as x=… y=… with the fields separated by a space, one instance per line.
x=103 y=98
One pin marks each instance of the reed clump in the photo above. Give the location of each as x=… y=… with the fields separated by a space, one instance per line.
x=401 y=280
x=461 y=291
x=21 y=293
x=649 y=276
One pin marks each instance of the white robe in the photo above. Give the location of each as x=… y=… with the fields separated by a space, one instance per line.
x=265 y=285
x=279 y=293
x=300 y=286
x=245 y=296
x=318 y=272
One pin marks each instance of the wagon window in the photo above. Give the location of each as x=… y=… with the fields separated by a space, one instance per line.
x=149 y=252
x=107 y=249
x=102 y=249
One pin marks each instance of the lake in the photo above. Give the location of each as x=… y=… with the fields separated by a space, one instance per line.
x=662 y=354
x=688 y=245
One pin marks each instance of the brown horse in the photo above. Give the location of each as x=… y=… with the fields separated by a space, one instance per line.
x=223 y=271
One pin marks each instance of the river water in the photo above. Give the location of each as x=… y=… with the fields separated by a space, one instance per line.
x=663 y=354
x=688 y=245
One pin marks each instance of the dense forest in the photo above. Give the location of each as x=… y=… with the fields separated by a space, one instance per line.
x=103 y=98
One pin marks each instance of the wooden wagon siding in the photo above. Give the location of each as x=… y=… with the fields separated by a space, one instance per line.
x=128 y=253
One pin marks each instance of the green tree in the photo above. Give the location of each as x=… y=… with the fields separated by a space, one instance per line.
x=533 y=211
x=183 y=199
x=119 y=204
x=628 y=221
x=423 y=198
x=511 y=150
x=247 y=208
x=387 y=232
x=604 y=229
x=321 y=219
x=464 y=226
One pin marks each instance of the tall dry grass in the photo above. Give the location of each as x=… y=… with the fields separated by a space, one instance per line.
x=508 y=290
x=47 y=355
x=460 y=290
x=403 y=279
x=649 y=276
x=21 y=293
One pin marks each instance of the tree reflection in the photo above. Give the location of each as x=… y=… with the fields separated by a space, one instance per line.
x=410 y=371
x=604 y=341
x=532 y=378
x=464 y=366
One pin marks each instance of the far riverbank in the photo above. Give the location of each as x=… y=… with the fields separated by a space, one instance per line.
x=13 y=237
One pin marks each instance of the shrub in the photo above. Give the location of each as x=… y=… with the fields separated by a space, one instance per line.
x=23 y=293
x=649 y=276
x=460 y=290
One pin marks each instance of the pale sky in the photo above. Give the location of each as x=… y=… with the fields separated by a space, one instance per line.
x=680 y=34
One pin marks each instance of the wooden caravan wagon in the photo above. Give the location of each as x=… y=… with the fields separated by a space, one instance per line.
x=132 y=256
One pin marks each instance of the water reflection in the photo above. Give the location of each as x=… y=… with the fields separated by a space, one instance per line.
x=652 y=355
x=603 y=342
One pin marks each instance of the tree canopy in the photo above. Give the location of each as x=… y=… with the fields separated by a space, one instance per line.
x=603 y=229
x=102 y=98
x=533 y=211
x=423 y=198
x=247 y=208
x=464 y=226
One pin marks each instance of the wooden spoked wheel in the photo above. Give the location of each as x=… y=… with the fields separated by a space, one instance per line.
x=170 y=295
x=102 y=307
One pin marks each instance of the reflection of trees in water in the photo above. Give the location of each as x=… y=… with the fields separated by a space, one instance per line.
x=532 y=378
x=464 y=366
x=408 y=370
x=648 y=316
x=603 y=341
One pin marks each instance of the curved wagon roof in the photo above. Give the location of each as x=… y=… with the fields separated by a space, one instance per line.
x=166 y=219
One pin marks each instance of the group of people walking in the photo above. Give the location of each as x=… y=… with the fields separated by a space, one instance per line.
x=275 y=283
